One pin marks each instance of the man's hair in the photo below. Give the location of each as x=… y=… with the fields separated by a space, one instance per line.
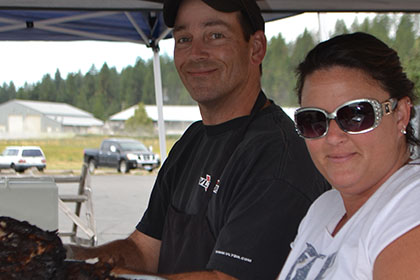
x=367 y=53
x=247 y=30
x=246 y=27
x=249 y=9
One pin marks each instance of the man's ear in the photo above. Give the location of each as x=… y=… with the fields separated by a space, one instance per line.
x=259 y=47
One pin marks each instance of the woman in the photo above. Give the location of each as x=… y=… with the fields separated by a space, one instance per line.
x=355 y=118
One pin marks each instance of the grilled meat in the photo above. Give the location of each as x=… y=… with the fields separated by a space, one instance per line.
x=28 y=252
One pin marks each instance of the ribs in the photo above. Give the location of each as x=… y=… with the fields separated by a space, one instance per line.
x=28 y=252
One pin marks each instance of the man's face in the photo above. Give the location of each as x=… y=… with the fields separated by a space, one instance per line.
x=211 y=54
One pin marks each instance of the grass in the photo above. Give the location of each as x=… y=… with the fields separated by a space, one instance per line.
x=67 y=153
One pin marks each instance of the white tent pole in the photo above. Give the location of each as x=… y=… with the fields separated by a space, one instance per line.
x=158 y=83
x=319 y=27
x=159 y=103
x=164 y=34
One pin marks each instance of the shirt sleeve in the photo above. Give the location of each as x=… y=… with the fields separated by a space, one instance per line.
x=399 y=214
x=153 y=219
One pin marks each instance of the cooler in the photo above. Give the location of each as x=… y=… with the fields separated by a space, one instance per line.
x=32 y=199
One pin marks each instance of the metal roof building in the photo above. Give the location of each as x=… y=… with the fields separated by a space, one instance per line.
x=32 y=119
x=177 y=118
x=171 y=113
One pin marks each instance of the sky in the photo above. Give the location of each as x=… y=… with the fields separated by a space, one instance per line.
x=29 y=61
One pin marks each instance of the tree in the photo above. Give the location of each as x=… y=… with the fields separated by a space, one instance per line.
x=174 y=91
x=303 y=44
x=278 y=79
x=72 y=88
x=148 y=87
x=46 y=89
x=7 y=92
x=380 y=27
x=340 y=28
x=413 y=66
x=405 y=38
x=61 y=95
x=85 y=94
x=364 y=27
x=98 y=107
x=107 y=89
x=131 y=86
x=140 y=121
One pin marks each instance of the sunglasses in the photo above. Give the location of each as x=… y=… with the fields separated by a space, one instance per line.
x=354 y=117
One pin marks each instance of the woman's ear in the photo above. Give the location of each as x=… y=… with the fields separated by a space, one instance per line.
x=259 y=47
x=403 y=112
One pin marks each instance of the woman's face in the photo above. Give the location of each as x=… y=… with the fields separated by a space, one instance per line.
x=355 y=164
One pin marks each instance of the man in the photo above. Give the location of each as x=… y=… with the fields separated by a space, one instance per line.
x=228 y=200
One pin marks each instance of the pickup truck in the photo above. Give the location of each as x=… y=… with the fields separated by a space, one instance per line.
x=123 y=154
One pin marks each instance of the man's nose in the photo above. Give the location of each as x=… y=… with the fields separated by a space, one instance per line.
x=198 y=50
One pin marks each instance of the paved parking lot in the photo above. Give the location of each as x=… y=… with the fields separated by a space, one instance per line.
x=119 y=202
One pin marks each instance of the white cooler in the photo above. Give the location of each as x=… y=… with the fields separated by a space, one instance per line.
x=32 y=199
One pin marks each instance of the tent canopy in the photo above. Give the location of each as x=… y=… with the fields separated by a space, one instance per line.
x=140 y=21
x=266 y=5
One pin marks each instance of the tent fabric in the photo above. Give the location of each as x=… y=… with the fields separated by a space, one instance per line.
x=83 y=4
x=268 y=6
x=140 y=21
x=144 y=27
x=63 y=25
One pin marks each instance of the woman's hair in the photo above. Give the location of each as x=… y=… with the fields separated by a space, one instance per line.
x=367 y=53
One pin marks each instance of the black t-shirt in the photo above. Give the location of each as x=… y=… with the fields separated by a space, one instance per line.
x=264 y=191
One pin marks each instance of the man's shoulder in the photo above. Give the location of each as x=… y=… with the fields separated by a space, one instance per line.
x=274 y=114
x=196 y=128
x=274 y=125
x=189 y=137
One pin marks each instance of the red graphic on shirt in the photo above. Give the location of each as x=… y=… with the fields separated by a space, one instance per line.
x=205 y=182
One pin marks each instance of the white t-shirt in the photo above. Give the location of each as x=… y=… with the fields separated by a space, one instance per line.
x=390 y=212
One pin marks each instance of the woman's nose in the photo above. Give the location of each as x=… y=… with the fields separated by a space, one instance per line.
x=335 y=134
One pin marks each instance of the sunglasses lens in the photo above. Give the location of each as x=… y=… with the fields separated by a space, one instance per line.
x=311 y=123
x=356 y=117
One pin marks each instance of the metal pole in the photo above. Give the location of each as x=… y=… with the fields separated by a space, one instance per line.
x=159 y=103
x=319 y=28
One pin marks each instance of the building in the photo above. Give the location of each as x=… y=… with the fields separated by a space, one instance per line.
x=176 y=118
x=34 y=119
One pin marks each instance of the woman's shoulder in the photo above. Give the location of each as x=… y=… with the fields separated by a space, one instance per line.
x=328 y=199
x=400 y=257
x=393 y=211
x=326 y=207
x=403 y=183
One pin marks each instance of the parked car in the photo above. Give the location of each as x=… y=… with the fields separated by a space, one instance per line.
x=21 y=158
x=121 y=153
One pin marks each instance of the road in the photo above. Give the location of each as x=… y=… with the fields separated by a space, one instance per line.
x=119 y=202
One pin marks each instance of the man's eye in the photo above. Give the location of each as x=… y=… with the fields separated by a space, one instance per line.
x=216 y=35
x=182 y=40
